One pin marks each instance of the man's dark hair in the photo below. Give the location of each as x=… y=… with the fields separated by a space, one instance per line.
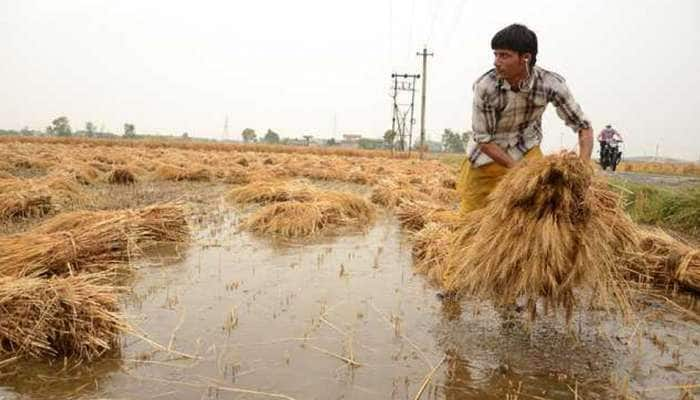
x=518 y=38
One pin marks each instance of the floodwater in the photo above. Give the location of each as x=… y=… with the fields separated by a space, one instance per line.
x=237 y=316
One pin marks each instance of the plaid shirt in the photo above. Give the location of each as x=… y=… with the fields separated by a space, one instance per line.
x=513 y=119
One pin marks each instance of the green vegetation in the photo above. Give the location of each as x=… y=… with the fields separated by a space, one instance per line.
x=271 y=137
x=249 y=135
x=59 y=127
x=678 y=209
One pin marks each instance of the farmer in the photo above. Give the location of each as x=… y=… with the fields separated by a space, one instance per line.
x=607 y=136
x=507 y=116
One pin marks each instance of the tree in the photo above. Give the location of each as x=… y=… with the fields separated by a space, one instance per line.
x=248 y=135
x=185 y=135
x=389 y=137
x=271 y=137
x=366 y=143
x=331 y=142
x=90 y=129
x=129 y=131
x=452 y=142
x=59 y=127
x=308 y=139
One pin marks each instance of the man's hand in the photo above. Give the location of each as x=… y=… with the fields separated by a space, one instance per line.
x=585 y=144
x=497 y=154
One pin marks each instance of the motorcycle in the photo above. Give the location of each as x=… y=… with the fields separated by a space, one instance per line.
x=610 y=154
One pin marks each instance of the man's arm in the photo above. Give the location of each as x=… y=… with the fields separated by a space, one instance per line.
x=585 y=143
x=570 y=112
x=497 y=154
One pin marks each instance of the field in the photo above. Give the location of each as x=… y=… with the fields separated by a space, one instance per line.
x=201 y=270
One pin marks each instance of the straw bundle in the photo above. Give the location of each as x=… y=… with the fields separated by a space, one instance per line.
x=89 y=240
x=80 y=172
x=36 y=197
x=173 y=173
x=236 y=176
x=272 y=191
x=414 y=215
x=30 y=203
x=545 y=232
x=287 y=219
x=663 y=261
x=391 y=194
x=121 y=176
x=327 y=211
x=434 y=243
x=431 y=246
x=55 y=317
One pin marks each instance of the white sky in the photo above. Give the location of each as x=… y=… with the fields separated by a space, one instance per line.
x=295 y=66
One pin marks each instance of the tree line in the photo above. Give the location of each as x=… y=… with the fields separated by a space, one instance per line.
x=451 y=141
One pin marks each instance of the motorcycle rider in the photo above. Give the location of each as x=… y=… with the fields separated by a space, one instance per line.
x=606 y=137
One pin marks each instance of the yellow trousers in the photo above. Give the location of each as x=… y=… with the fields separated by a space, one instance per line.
x=475 y=184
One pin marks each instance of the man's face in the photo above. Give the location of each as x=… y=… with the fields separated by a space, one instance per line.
x=509 y=64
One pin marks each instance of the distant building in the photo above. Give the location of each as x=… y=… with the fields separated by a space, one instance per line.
x=351 y=140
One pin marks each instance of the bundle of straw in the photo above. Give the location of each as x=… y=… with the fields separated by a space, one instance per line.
x=66 y=316
x=237 y=176
x=546 y=230
x=441 y=233
x=90 y=240
x=663 y=261
x=174 y=173
x=25 y=204
x=326 y=211
x=414 y=215
x=390 y=194
x=121 y=176
x=431 y=246
x=37 y=197
x=272 y=191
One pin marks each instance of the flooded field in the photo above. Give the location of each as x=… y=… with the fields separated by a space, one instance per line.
x=238 y=316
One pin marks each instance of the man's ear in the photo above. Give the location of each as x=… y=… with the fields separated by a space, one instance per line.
x=526 y=57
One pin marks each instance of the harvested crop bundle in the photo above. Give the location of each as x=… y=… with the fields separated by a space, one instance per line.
x=272 y=191
x=121 y=176
x=663 y=261
x=170 y=172
x=414 y=215
x=60 y=316
x=390 y=194
x=90 y=240
x=20 y=198
x=547 y=230
x=326 y=211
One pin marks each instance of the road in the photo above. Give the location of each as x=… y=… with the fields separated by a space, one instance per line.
x=655 y=179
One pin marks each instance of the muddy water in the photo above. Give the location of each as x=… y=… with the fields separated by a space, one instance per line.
x=344 y=317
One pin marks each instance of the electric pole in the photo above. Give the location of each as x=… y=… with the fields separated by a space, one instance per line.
x=425 y=55
x=225 y=134
x=398 y=118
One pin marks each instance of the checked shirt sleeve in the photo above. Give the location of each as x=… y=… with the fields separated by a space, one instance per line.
x=483 y=115
x=568 y=109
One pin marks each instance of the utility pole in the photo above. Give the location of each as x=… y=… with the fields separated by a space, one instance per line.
x=425 y=55
x=398 y=118
x=656 y=156
x=225 y=134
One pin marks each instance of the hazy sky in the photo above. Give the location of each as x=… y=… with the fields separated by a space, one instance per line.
x=298 y=66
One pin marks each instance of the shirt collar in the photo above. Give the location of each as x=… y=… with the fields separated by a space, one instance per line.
x=504 y=85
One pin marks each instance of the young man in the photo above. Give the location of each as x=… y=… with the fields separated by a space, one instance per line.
x=507 y=116
x=607 y=135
